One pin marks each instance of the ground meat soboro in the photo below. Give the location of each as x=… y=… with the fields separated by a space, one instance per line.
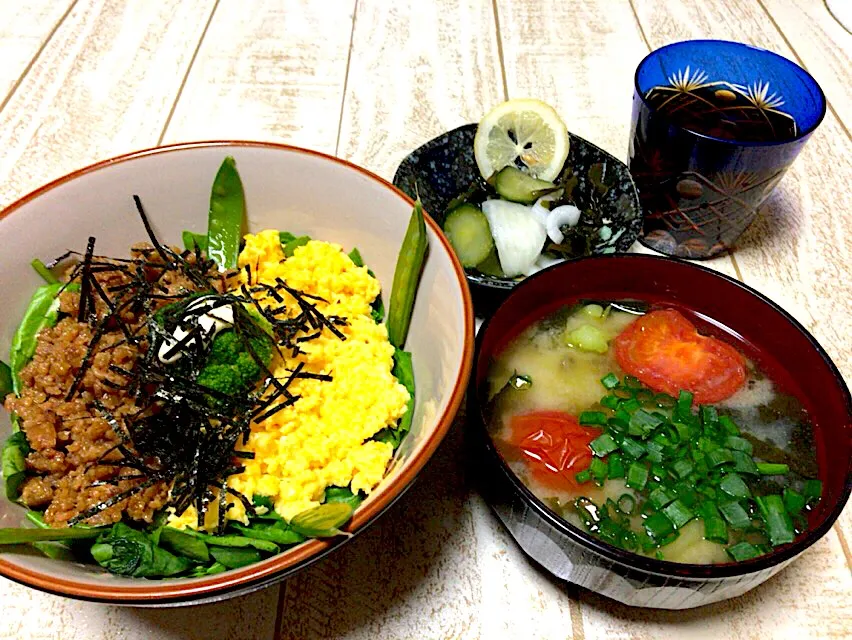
x=74 y=460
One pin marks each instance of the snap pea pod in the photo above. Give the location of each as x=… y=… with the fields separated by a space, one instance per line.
x=407 y=276
x=227 y=216
x=323 y=521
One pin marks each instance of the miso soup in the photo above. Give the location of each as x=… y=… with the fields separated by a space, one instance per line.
x=637 y=425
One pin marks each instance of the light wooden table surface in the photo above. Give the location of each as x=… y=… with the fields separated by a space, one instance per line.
x=369 y=80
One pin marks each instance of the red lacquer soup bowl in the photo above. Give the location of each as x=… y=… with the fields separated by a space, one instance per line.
x=767 y=333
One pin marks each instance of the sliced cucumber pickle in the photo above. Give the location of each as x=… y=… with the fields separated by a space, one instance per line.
x=515 y=185
x=468 y=231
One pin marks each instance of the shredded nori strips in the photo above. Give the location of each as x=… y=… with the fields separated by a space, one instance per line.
x=185 y=433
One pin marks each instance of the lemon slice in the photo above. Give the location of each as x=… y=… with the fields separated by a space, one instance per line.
x=522 y=129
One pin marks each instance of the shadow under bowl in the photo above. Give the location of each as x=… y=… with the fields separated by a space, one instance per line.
x=781 y=344
x=445 y=167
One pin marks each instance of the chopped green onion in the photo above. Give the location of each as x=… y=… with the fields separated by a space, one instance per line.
x=734 y=486
x=610 y=381
x=739 y=444
x=622 y=393
x=736 y=516
x=583 y=476
x=598 y=469
x=632 y=448
x=744 y=463
x=637 y=476
x=678 y=513
x=812 y=491
x=610 y=402
x=772 y=469
x=655 y=451
x=715 y=528
x=629 y=406
x=665 y=401
x=729 y=426
x=626 y=503
x=643 y=422
x=683 y=467
x=616 y=466
x=684 y=403
x=593 y=418
x=794 y=501
x=658 y=526
x=709 y=416
x=743 y=551
x=719 y=456
x=779 y=526
x=632 y=382
x=659 y=498
x=686 y=494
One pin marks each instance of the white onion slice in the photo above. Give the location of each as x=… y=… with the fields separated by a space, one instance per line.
x=566 y=214
x=518 y=235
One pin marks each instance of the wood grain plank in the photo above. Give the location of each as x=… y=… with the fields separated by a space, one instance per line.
x=417 y=70
x=38 y=616
x=25 y=28
x=822 y=45
x=263 y=73
x=103 y=85
x=797 y=252
x=579 y=57
x=808 y=599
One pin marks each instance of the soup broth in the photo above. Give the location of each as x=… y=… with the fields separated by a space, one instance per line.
x=685 y=456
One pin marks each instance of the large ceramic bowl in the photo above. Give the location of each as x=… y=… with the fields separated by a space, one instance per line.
x=439 y=170
x=286 y=188
x=572 y=554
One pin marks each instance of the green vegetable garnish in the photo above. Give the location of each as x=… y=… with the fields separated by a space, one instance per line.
x=226 y=217
x=406 y=277
x=41 y=312
x=184 y=544
x=126 y=551
x=322 y=521
x=14 y=463
x=685 y=463
x=6 y=384
x=42 y=270
x=192 y=240
x=403 y=370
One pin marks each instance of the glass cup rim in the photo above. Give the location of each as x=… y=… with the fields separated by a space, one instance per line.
x=734 y=143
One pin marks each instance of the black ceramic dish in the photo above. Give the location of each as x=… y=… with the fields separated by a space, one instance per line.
x=444 y=167
x=574 y=555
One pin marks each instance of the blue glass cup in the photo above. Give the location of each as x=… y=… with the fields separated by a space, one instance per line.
x=715 y=126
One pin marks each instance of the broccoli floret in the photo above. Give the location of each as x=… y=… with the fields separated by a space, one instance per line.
x=230 y=368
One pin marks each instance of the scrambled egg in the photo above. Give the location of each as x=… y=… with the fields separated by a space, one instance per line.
x=324 y=438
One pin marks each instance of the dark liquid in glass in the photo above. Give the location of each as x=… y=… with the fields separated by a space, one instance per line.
x=699 y=195
x=749 y=115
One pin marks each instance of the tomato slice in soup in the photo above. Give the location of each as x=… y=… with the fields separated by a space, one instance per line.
x=554 y=445
x=664 y=350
